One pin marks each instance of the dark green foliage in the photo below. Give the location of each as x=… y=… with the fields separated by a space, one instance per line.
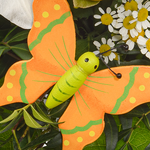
x=130 y=131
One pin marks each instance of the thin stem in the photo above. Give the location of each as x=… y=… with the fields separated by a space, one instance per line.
x=14 y=133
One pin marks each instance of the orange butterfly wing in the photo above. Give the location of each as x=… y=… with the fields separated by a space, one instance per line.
x=52 y=44
x=102 y=93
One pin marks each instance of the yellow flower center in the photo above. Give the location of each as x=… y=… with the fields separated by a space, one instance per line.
x=142 y=14
x=106 y=19
x=105 y=48
x=148 y=45
x=131 y=5
x=127 y=24
x=142 y=33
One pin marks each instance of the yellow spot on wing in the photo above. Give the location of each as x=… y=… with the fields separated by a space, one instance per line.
x=56 y=7
x=37 y=24
x=92 y=133
x=12 y=72
x=132 y=100
x=66 y=143
x=146 y=75
x=45 y=14
x=141 y=87
x=79 y=139
x=9 y=98
x=9 y=85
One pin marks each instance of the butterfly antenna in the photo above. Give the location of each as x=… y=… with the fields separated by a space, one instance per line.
x=118 y=75
x=123 y=46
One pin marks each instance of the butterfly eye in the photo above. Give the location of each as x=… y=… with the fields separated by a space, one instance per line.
x=86 y=59
x=95 y=66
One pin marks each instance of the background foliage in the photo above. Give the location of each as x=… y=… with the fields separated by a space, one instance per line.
x=28 y=127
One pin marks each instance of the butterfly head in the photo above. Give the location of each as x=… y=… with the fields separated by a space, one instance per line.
x=88 y=62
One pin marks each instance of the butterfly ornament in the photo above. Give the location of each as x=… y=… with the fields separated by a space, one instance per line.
x=52 y=44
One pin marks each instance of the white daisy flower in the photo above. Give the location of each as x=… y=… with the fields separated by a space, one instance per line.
x=144 y=44
x=124 y=25
x=141 y=16
x=126 y=5
x=105 y=46
x=106 y=18
x=130 y=41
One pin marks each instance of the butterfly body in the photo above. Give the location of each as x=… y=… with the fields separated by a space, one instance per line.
x=72 y=80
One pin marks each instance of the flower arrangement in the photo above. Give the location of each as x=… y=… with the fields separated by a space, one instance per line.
x=100 y=25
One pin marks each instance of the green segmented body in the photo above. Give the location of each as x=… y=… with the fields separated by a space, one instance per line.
x=72 y=80
x=67 y=85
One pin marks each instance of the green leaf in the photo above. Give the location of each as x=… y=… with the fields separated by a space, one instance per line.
x=123 y=147
x=41 y=139
x=55 y=142
x=2 y=49
x=40 y=117
x=126 y=122
x=1 y=81
x=111 y=132
x=22 y=51
x=84 y=3
x=146 y=121
x=30 y=121
x=19 y=36
x=11 y=117
x=11 y=124
x=129 y=146
x=5 y=62
x=124 y=133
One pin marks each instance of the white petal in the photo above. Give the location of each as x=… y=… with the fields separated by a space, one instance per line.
x=144 y=25
x=101 y=10
x=127 y=13
x=18 y=12
x=116 y=37
x=123 y=31
x=130 y=44
x=133 y=33
x=115 y=16
x=118 y=25
x=140 y=5
x=148 y=55
x=106 y=59
x=144 y=50
x=147 y=33
x=113 y=12
x=103 y=40
x=108 y=10
x=96 y=52
x=120 y=20
x=134 y=14
x=110 y=28
x=148 y=8
x=110 y=43
x=125 y=37
x=147 y=5
x=139 y=26
x=124 y=1
x=148 y=18
x=141 y=40
x=98 y=23
x=147 y=23
x=116 y=31
x=97 y=16
x=97 y=44
x=111 y=56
